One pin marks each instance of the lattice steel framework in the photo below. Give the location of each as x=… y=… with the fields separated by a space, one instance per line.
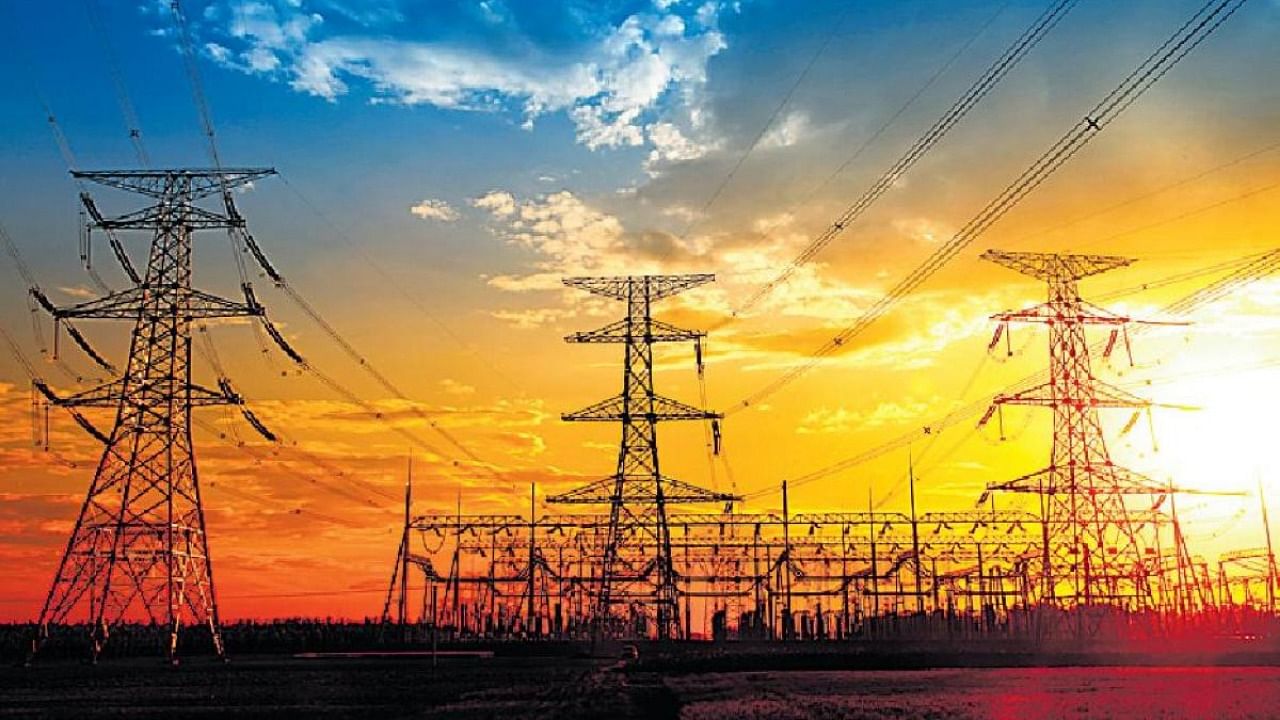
x=638 y=493
x=139 y=549
x=810 y=575
x=1096 y=549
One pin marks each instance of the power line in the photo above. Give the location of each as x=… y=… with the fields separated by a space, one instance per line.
x=207 y=348
x=958 y=110
x=1200 y=26
x=1199 y=210
x=393 y=282
x=884 y=127
x=783 y=103
x=239 y=236
x=1191 y=179
x=1249 y=269
x=127 y=110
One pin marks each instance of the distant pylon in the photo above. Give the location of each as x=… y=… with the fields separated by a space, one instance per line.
x=139 y=550
x=1096 y=550
x=638 y=493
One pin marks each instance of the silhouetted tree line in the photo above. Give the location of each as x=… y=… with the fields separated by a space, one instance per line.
x=244 y=637
x=1243 y=627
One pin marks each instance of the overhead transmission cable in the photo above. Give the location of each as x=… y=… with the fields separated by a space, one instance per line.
x=210 y=352
x=958 y=110
x=1247 y=270
x=782 y=105
x=1199 y=27
x=33 y=375
x=764 y=234
x=36 y=299
x=127 y=110
x=207 y=349
x=1191 y=212
x=1181 y=182
x=279 y=281
x=69 y=159
x=392 y=281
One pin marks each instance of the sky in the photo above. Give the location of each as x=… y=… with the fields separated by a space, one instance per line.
x=441 y=165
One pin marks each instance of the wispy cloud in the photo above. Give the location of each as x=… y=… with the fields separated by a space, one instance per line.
x=434 y=210
x=623 y=81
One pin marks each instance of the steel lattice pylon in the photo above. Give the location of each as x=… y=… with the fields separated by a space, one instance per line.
x=1096 y=550
x=638 y=493
x=139 y=549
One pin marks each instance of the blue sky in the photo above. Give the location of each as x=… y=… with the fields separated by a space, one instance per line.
x=427 y=132
x=466 y=155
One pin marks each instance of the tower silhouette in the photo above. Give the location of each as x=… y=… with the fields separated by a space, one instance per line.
x=139 y=551
x=1095 y=549
x=637 y=564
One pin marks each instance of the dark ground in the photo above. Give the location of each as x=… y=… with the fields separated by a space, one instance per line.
x=1132 y=693
x=284 y=686
x=580 y=688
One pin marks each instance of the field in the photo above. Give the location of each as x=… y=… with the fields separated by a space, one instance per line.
x=1013 y=694
x=283 y=686
x=553 y=688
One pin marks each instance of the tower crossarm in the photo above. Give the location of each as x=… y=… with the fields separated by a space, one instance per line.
x=469 y=524
x=616 y=408
x=110 y=394
x=1054 y=312
x=1244 y=555
x=159 y=183
x=622 y=331
x=1053 y=267
x=1055 y=480
x=192 y=216
x=657 y=286
x=1098 y=395
x=129 y=304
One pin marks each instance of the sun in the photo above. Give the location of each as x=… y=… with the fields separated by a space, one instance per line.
x=1212 y=435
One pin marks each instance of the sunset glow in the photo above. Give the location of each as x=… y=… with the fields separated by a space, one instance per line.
x=440 y=173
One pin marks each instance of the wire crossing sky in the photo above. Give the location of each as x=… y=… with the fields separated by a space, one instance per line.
x=442 y=166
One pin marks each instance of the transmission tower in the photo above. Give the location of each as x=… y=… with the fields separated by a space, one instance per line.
x=139 y=549
x=638 y=493
x=1095 y=549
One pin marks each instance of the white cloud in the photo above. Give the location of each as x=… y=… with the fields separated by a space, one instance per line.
x=923 y=230
x=671 y=145
x=840 y=420
x=218 y=52
x=499 y=202
x=569 y=235
x=453 y=387
x=430 y=209
x=790 y=130
x=565 y=236
x=78 y=292
x=615 y=84
x=533 y=318
x=493 y=11
x=261 y=60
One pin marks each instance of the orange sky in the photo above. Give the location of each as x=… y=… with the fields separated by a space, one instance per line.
x=310 y=527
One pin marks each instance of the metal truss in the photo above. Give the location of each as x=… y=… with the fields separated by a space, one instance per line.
x=139 y=550
x=638 y=493
x=807 y=575
x=1095 y=548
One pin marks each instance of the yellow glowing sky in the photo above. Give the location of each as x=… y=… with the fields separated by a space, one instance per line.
x=466 y=314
